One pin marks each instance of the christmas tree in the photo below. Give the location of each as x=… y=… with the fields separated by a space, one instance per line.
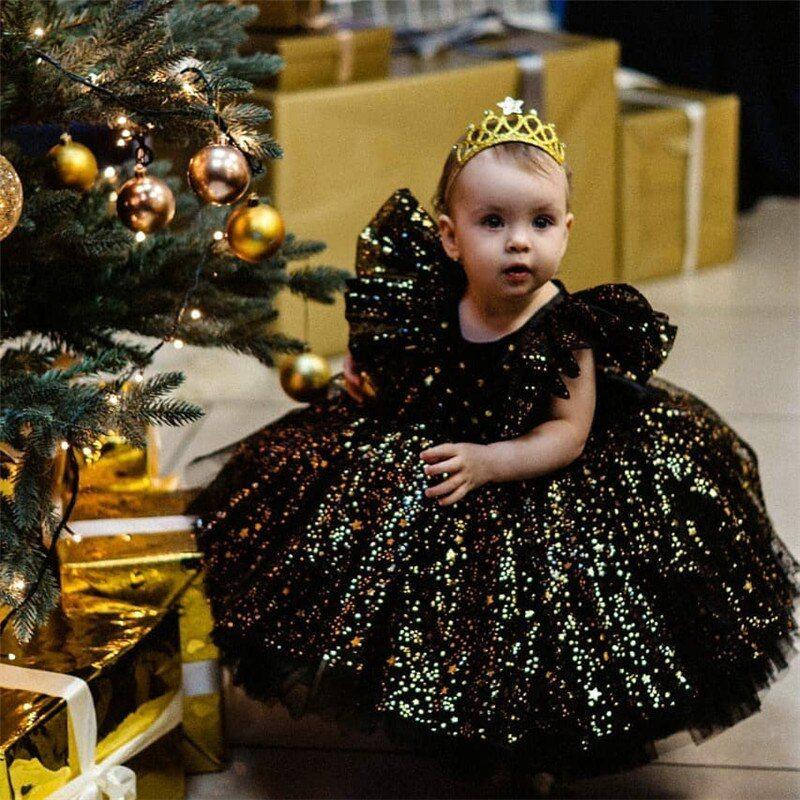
x=97 y=256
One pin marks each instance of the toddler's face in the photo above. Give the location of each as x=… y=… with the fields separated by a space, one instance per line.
x=502 y=216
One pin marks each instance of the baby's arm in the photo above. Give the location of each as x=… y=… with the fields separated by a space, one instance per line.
x=556 y=442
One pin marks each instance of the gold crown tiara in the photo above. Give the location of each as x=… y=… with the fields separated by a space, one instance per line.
x=513 y=125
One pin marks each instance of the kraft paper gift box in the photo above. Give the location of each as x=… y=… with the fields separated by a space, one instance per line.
x=347 y=148
x=327 y=58
x=153 y=561
x=678 y=180
x=95 y=687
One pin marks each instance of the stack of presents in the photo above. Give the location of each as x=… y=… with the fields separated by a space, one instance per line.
x=125 y=676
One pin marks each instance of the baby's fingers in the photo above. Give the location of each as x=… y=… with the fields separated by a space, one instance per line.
x=445 y=487
x=455 y=496
x=451 y=465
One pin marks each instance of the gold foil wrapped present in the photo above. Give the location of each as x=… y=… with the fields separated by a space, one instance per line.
x=155 y=561
x=119 y=664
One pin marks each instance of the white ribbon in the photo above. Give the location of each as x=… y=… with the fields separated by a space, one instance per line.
x=693 y=187
x=132 y=525
x=117 y=782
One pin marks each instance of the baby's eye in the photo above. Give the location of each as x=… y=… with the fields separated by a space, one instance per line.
x=492 y=220
x=541 y=218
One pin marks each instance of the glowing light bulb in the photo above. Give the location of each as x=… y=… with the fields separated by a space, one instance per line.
x=65 y=445
x=112 y=197
x=195 y=313
x=12 y=657
x=121 y=143
x=177 y=344
x=218 y=236
x=110 y=172
x=140 y=236
x=122 y=120
x=125 y=133
x=113 y=400
x=38 y=32
x=138 y=377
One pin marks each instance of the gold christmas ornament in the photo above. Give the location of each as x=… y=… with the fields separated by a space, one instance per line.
x=145 y=203
x=219 y=174
x=10 y=197
x=72 y=165
x=305 y=377
x=255 y=230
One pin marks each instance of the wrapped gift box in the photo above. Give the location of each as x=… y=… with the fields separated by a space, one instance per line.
x=325 y=59
x=153 y=561
x=119 y=665
x=285 y=15
x=349 y=147
x=678 y=180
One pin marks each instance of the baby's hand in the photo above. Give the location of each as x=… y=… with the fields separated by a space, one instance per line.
x=465 y=465
x=352 y=379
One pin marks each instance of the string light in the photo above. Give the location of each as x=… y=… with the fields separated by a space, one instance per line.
x=112 y=197
x=113 y=400
x=138 y=377
x=65 y=445
x=125 y=133
x=121 y=143
x=218 y=236
x=110 y=172
x=122 y=120
x=76 y=537
x=11 y=657
x=177 y=344
x=38 y=32
x=18 y=585
x=195 y=313
x=140 y=236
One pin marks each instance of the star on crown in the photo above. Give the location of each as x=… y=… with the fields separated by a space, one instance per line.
x=511 y=106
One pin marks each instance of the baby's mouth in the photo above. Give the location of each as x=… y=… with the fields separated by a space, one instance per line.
x=516 y=269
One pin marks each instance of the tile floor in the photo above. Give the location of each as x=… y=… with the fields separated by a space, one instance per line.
x=738 y=347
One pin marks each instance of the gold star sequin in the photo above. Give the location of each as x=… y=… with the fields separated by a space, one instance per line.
x=356 y=524
x=355 y=641
x=489 y=599
x=450 y=555
x=452 y=669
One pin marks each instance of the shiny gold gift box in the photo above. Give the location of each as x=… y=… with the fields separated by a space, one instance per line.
x=312 y=60
x=347 y=148
x=678 y=180
x=129 y=657
x=153 y=561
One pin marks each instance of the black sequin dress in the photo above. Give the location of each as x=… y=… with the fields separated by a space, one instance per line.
x=564 y=623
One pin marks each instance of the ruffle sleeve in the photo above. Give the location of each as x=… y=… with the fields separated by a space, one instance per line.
x=394 y=304
x=628 y=337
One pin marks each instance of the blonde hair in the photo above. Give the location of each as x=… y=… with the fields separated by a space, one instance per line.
x=524 y=155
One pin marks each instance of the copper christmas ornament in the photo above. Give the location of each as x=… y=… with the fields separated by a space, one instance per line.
x=219 y=174
x=145 y=203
